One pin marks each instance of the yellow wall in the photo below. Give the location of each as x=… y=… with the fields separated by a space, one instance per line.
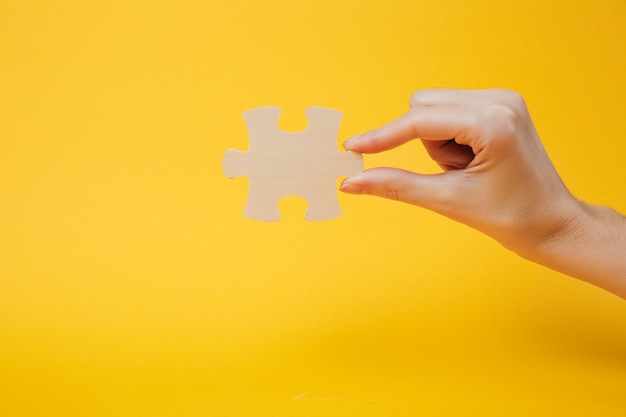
x=132 y=286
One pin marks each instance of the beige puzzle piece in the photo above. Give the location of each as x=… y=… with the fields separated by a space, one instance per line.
x=280 y=164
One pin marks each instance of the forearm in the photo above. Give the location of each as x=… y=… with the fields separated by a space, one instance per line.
x=591 y=247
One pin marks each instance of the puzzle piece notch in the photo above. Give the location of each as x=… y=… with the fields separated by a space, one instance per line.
x=280 y=163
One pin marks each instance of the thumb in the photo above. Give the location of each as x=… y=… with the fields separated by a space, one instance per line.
x=435 y=192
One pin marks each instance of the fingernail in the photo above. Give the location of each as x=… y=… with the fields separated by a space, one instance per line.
x=346 y=144
x=351 y=188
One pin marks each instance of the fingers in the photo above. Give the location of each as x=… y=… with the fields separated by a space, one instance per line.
x=434 y=192
x=429 y=123
x=445 y=96
x=444 y=114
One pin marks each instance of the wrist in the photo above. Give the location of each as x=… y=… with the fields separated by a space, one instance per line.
x=586 y=242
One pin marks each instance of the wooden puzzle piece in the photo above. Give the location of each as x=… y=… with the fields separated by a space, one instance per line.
x=304 y=164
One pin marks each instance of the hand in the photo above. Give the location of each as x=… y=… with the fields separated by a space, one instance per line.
x=497 y=179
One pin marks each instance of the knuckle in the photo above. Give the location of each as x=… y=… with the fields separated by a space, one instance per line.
x=509 y=98
x=419 y=98
x=393 y=185
x=501 y=121
x=516 y=100
x=392 y=193
x=390 y=187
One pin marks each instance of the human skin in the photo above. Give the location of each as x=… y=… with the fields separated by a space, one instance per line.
x=497 y=178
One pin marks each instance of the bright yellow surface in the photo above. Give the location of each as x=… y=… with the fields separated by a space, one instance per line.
x=132 y=286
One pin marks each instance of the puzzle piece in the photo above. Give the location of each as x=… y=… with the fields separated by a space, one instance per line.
x=304 y=164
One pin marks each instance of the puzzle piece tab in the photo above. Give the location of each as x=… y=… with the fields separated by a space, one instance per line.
x=304 y=164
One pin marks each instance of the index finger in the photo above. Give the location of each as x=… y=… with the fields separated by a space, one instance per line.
x=427 y=123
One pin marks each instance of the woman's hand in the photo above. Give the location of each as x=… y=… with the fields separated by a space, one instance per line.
x=497 y=179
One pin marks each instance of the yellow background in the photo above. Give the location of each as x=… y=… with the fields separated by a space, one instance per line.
x=131 y=285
